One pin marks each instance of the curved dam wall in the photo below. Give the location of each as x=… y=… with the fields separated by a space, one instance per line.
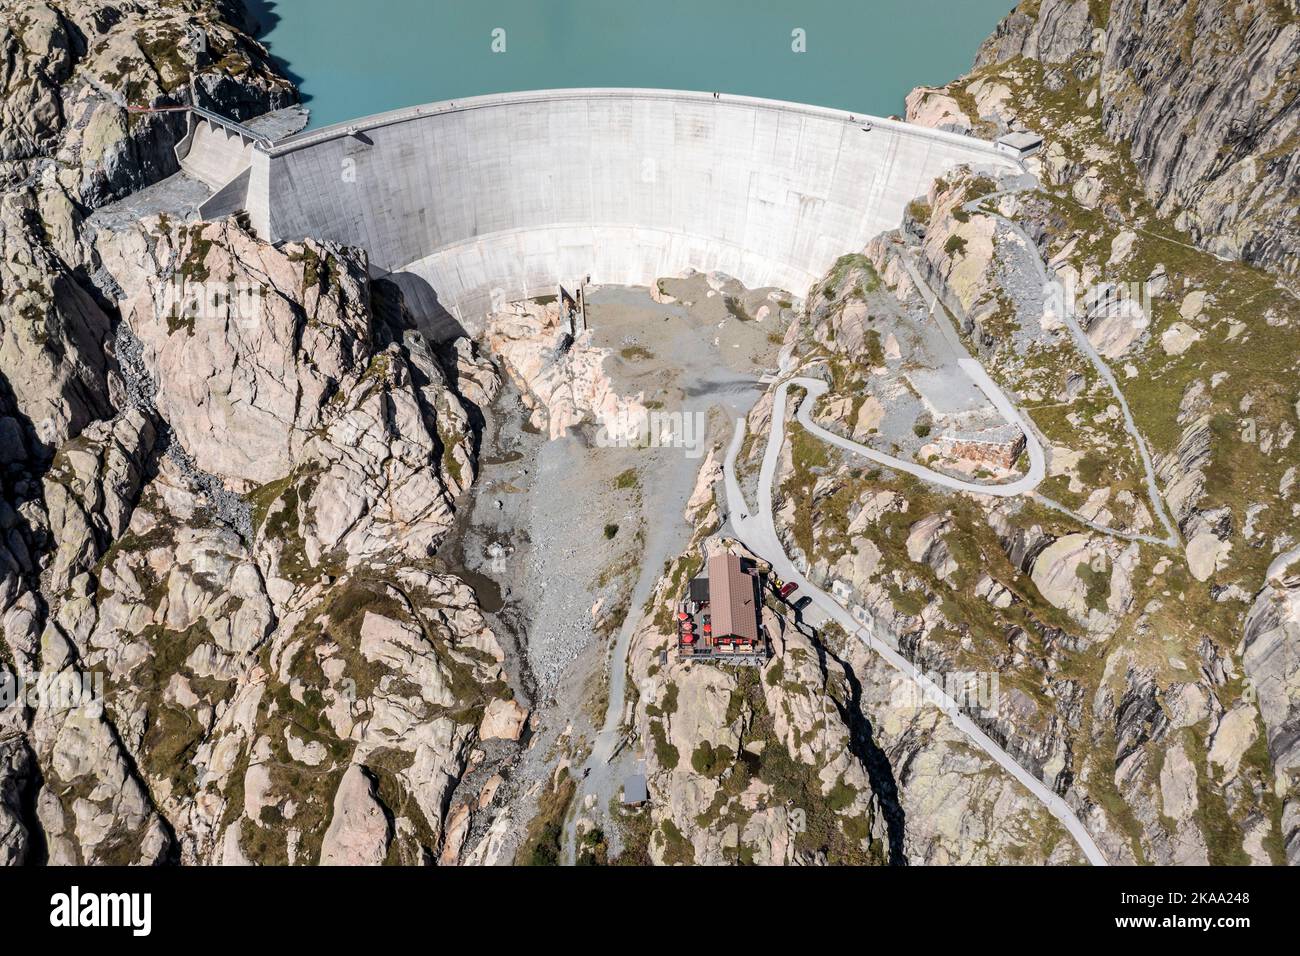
x=497 y=197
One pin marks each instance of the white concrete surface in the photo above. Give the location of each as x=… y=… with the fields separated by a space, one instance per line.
x=215 y=155
x=504 y=194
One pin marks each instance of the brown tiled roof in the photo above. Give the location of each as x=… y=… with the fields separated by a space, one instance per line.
x=732 y=604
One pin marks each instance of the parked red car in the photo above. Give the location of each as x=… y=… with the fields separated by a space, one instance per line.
x=789 y=589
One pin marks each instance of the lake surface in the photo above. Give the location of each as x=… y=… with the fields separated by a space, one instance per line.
x=351 y=58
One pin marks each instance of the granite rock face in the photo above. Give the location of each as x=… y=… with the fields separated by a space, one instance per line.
x=238 y=665
x=16 y=780
x=54 y=336
x=1204 y=97
x=562 y=379
x=91 y=489
x=68 y=144
x=359 y=831
x=249 y=343
x=1272 y=662
x=72 y=67
x=225 y=467
x=763 y=766
x=1052 y=31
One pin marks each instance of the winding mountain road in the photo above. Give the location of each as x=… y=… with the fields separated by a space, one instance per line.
x=1085 y=346
x=757 y=531
x=1020 y=486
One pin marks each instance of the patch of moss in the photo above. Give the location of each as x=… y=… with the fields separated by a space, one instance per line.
x=635 y=353
x=541 y=846
x=666 y=754
x=677 y=849
x=709 y=760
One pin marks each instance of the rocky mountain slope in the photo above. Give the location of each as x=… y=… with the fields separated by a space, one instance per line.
x=1138 y=610
x=270 y=669
x=220 y=514
x=1141 y=711
x=1146 y=675
x=227 y=467
x=1203 y=96
x=71 y=67
x=821 y=756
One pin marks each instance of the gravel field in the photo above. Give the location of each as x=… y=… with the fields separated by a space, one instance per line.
x=538 y=539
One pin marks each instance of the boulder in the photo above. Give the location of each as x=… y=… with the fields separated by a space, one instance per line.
x=250 y=343
x=926 y=544
x=1178 y=785
x=503 y=720
x=359 y=831
x=1237 y=730
x=1178 y=338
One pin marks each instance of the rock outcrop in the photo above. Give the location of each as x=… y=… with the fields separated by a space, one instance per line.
x=91 y=489
x=1272 y=663
x=237 y=668
x=562 y=378
x=16 y=766
x=1204 y=98
x=54 y=337
x=226 y=467
x=759 y=766
x=72 y=67
x=359 y=832
x=242 y=418
x=236 y=676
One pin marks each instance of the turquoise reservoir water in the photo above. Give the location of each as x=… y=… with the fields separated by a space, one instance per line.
x=351 y=58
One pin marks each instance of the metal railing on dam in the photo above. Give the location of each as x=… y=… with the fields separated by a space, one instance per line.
x=493 y=197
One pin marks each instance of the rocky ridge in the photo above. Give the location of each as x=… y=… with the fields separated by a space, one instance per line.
x=560 y=375
x=1127 y=678
x=226 y=468
x=1203 y=97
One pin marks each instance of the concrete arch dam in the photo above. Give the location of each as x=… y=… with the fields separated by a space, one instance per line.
x=499 y=197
